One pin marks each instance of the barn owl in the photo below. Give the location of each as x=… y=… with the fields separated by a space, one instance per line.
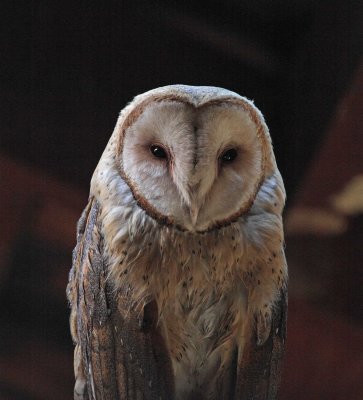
x=178 y=288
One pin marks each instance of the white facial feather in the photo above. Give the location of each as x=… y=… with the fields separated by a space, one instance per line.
x=210 y=287
x=228 y=186
x=193 y=182
x=168 y=124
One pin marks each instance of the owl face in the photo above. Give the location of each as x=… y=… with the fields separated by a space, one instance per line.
x=195 y=167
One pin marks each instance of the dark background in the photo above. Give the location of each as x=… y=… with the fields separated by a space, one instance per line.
x=66 y=72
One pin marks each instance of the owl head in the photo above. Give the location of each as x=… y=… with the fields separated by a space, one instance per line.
x=192 y=157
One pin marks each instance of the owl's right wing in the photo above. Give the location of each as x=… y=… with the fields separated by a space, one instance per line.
x=119 y=353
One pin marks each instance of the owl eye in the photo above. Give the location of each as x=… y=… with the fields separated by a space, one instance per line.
x=158 y=151
x=229 y=155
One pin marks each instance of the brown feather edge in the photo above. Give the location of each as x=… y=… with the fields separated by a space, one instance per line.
x=80 y=388
x=146 y=206
x=82 y=317
x=72 y=286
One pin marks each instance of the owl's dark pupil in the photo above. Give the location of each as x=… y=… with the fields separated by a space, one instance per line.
x=158 y=151
x=229 y=155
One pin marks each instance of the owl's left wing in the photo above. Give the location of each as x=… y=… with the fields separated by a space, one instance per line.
x=259 y=366
x=119 y=351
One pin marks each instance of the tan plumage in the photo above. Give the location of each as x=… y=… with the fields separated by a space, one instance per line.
x=198 y=237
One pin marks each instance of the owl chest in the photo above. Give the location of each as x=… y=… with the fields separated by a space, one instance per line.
x=202 y=321
x=201 y=298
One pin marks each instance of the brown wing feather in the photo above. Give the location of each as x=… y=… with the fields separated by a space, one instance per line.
x=119 y=351
x=259 y=367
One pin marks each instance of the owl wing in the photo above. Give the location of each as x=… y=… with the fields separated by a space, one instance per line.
x=259 y=368
x=119 y=353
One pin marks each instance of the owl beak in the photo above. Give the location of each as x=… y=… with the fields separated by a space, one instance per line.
x=194 y=211
x=194 y=202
